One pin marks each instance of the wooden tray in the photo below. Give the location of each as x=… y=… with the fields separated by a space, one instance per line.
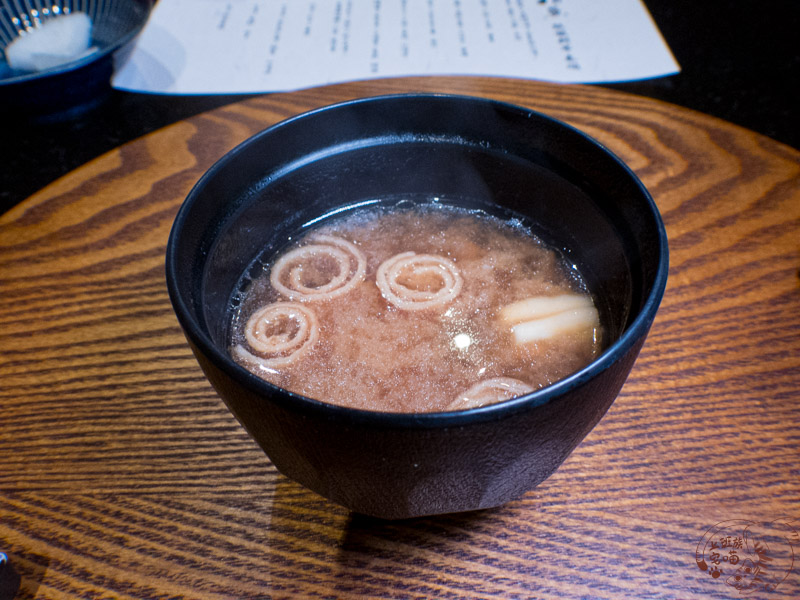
x=122 y=474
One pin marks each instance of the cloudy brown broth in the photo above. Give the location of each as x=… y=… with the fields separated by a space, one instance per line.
x=423 y=309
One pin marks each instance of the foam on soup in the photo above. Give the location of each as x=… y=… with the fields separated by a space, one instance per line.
x=421 y=309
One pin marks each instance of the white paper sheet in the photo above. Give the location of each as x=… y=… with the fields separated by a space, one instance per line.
x=251 y=46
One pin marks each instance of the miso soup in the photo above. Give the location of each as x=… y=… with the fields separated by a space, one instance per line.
x=417 y=309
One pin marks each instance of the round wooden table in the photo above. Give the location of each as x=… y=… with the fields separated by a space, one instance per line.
x=122 y=474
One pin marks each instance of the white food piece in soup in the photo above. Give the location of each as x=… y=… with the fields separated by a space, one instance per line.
x=418 y=268
x=568 y=321
x=543 y=306
x=350 y=267
x=281 y=332
x=53 y=43
x=490 y=391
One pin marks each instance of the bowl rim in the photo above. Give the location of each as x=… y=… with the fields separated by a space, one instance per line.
x=87 y=59
x=297 y=402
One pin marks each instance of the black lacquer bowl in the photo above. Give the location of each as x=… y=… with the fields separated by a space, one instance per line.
x=499 y=157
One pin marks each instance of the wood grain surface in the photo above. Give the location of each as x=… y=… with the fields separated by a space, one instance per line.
x=122 y=474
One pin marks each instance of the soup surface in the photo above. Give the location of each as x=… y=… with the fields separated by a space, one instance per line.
x=423 y=309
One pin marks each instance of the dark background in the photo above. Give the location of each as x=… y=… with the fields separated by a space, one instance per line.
x=740 y=61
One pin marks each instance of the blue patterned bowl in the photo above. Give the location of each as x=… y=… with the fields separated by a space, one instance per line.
x=115 y=24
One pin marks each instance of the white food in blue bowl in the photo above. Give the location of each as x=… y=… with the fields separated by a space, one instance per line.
x=62 y=53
